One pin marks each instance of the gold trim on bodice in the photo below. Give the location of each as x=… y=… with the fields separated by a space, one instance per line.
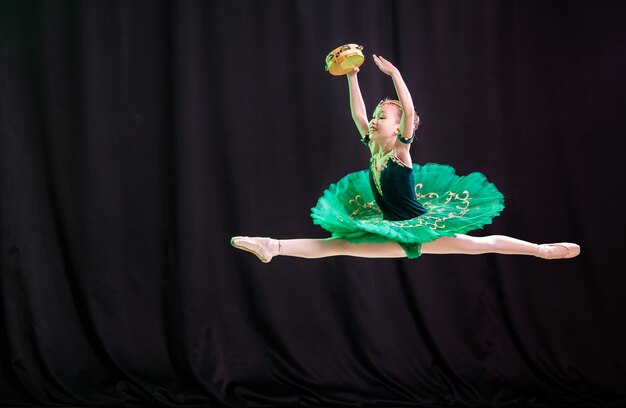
x=377 y=168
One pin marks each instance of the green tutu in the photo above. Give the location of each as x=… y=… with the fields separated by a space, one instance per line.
x=454 y=205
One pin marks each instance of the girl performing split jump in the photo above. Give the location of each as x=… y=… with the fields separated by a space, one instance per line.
x=399 y=209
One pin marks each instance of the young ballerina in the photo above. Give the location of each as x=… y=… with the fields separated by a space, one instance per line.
x=399 y=209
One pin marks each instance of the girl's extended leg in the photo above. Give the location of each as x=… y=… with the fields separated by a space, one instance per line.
x=499 y=244
x=266 y=248
x=320 y=248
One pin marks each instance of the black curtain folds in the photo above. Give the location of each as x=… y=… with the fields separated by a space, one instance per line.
x=136 y=137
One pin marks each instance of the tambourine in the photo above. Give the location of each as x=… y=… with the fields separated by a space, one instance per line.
x=343 y=59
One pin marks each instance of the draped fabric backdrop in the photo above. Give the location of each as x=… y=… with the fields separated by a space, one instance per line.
x=136 y=137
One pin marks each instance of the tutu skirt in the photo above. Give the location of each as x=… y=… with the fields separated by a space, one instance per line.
x=454 y=205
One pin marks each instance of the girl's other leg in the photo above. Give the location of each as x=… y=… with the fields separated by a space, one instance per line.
x=499 y=244
x=266 y=248
x=319 y=248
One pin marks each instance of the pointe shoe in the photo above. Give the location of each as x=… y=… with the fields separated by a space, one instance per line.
x=559 y=250
x=264 y=248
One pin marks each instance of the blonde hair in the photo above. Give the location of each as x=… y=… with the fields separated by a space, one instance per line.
x=395 y=102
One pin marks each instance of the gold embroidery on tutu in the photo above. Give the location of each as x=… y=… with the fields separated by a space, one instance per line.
x=360 y=204
x=455 y=205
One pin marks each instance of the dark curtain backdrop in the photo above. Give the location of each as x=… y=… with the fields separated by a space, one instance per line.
x=136 y=137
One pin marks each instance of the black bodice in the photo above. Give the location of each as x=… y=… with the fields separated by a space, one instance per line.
x=394 y=190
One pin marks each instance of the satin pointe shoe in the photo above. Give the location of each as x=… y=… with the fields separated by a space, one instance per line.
x=561 y=250
x=264 y=248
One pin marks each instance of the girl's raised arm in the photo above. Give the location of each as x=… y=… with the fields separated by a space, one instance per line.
x=406 y=122
x=357 y=106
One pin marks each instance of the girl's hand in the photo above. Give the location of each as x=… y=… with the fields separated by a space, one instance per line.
x=385 y=66
x=353 y=72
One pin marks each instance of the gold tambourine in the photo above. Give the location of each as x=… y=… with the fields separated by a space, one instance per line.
x=343 y=59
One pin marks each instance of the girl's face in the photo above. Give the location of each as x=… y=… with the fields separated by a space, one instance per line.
x=384 y=124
